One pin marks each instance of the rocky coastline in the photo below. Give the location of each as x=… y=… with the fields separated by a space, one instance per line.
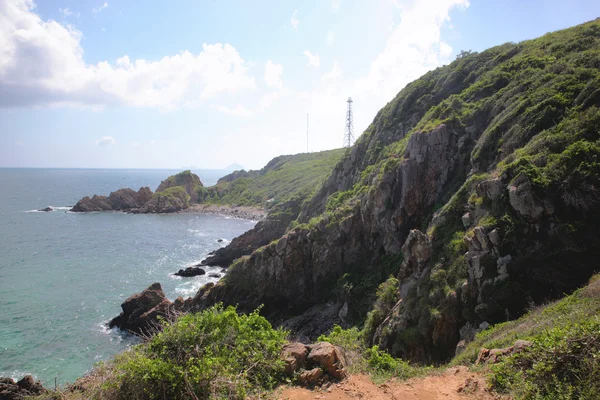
x=172 y=195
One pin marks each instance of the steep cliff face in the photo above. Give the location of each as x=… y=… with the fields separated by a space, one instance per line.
x=476 y=187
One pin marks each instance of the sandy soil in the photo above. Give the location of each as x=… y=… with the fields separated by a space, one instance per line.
x=243 y=212
x=454 y=384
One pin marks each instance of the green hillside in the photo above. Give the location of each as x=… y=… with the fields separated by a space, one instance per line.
x=281 y=179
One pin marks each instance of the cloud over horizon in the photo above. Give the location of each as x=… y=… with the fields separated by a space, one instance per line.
x=41 y=64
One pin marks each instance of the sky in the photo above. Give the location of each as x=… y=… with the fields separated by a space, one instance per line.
x=157 y=84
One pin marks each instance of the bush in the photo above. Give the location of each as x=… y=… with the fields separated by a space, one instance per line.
x=563 y=363
x=213 y=354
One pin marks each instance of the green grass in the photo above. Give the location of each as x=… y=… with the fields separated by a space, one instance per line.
x=284 y=178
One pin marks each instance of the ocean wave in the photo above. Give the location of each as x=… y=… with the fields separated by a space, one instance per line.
x=18 y=375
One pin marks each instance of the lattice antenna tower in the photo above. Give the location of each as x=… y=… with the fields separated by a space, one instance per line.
x=349 y=130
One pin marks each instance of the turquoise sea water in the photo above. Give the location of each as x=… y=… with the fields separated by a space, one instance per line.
x=64 y=275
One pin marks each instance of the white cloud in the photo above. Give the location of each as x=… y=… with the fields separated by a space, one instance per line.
x=414 y=47
x=335 y=5
x=313 y=59
x=330 y=38
x=41 y=64
x=294 y=20
x=106 y=141
x=102 y=7
x=335 y=73
x=273 y=74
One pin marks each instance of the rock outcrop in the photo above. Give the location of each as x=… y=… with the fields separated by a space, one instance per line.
x=141 y=311
x=95 y=203
x=487 y=356
x=190 y=271
x=190 y=182
x=173 y=194
x=26 y=387
x=316 y=363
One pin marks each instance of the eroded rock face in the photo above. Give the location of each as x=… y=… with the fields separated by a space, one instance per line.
x=141 y=311
x=523 y=199
x=95 y=203
x=127 y=199
x=297 y=272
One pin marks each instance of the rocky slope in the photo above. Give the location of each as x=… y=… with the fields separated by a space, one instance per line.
x=281 y=187
x=172 y=195
x=476 y=187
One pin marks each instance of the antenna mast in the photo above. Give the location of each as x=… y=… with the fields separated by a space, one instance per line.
x=349 y=129
x=307 y=132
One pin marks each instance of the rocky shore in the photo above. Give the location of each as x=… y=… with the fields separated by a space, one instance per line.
x=242 y=212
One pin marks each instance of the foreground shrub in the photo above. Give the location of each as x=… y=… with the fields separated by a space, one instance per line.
x=563 y=363
x=213 y=354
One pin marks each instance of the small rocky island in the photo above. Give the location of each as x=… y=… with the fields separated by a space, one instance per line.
x=172 y=195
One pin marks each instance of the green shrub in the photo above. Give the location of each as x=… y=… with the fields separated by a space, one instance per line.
x=562 y=363
x=217 y=353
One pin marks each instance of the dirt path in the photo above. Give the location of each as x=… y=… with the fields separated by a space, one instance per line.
x=454 y=384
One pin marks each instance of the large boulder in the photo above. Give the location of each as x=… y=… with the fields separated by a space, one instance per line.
x=190 y=182
x=329 y=357
x=141 y=311
x=316 y=363
x=96 y=203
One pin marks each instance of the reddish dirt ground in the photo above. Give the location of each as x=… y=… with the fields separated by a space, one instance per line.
x=454 y=384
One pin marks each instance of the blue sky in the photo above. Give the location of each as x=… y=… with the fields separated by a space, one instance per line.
x=155 y=84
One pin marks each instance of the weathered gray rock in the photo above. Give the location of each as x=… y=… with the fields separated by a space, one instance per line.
x=523 y=199
x=96 y=203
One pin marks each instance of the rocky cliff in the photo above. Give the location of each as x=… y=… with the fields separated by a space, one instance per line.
x=476 y=188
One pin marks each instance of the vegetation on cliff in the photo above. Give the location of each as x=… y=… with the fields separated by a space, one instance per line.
x=479 y=182
x=283 y=178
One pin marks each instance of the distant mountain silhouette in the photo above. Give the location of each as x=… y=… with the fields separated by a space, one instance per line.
x=234 y=167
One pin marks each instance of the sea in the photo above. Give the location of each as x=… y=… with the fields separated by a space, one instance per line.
x=64 y=275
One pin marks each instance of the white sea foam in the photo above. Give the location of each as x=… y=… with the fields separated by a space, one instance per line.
x=54 y=208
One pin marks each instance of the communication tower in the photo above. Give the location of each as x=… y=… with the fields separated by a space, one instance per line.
x=349 y=129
